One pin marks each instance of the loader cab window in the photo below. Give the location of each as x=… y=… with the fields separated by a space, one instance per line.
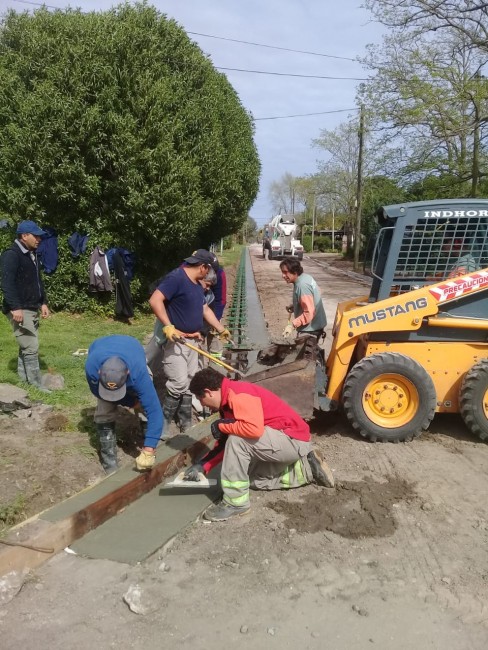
x=433 y=247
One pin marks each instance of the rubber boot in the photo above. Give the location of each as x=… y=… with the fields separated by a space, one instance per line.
x=33 y=372
x=184 y=413
x=21 y=367
x=170 y=407
x=108 y=446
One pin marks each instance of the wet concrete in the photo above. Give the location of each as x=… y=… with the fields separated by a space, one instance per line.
x=146 y=525
x=256 y=330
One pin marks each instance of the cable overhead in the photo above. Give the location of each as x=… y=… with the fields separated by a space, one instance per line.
x=37 y=4
x=273 y=47
x=283 y=117
x=224 y=38
x=289 y=74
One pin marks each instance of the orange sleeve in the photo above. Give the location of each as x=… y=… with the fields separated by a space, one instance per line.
x=308 y=308
x=248 y=412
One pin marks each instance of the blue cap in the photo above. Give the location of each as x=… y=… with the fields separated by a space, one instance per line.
x=25 y=227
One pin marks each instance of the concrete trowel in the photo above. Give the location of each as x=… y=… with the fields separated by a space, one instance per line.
x=179 y=482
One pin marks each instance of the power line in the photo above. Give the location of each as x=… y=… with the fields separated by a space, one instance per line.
x=273 y=47
x=223 y=38
x=283 y=117
x=37 y=4
x=289 y=74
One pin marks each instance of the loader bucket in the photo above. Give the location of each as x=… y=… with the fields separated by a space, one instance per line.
x=289 y=370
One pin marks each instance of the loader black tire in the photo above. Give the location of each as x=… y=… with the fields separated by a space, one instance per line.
x=389 y=397
x=474 y=399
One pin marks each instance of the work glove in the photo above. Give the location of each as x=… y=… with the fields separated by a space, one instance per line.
x=192 y=473
x=145 y=460
x=225 y=335
x=214 y=427
x=288 y=331
x=171 y=333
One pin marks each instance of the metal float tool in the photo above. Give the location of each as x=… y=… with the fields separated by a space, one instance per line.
x=203 y=482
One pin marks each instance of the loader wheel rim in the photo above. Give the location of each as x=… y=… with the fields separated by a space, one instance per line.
x=391 y=400
x=485 y=403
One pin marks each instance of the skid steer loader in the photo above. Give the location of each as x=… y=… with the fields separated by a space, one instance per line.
x=417 y=344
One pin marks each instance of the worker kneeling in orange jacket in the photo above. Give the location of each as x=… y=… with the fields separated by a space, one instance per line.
x=262 y=443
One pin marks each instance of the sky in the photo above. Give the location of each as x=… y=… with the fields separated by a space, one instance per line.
x=337 y=28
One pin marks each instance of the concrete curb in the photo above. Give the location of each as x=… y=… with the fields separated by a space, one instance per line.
x=38 y=539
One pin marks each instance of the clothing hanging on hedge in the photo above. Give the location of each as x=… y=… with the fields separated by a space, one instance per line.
x=99 y=274
x=47 y=250
x=123 y=297
x=128 y=258
x=77 y=244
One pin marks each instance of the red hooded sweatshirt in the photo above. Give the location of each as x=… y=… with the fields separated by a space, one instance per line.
x=254 y=408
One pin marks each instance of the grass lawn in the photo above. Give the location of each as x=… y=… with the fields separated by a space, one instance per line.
x=60 y=336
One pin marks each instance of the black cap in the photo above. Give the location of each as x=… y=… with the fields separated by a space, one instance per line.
x=202 y=256
x=113 y=377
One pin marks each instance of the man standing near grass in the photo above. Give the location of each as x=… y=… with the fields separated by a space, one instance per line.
x=24 y=298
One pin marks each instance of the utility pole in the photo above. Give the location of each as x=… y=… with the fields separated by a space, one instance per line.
x=333 y=227
x=359 y=192
x=313 y=217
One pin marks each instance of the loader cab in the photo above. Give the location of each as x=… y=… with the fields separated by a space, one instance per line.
x=426 y=242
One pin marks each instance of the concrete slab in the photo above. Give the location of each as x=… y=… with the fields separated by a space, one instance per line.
x=122 y=476
x=256 y=329
x=147 y=524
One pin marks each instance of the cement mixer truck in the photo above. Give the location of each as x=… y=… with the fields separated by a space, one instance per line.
x=279 y=238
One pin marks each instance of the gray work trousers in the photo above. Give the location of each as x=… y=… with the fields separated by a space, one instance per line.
x=272 y=462
x=26 y=333
x=180 y=364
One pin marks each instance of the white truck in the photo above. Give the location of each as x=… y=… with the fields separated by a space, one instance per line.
x=279 y=238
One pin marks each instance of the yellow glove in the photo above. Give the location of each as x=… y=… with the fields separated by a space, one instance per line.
x=225 y=334
x=145 y=460
x=170 y=332
x=288 y=331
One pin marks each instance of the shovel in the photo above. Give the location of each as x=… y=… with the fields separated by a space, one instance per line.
x=209 y=356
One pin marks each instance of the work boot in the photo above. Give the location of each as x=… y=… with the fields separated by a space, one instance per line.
x=184 y=413
x=21 y=367
x=321 y=472
x=33 y=372
x=170 y=406
x=223 y=511
x=108 y=446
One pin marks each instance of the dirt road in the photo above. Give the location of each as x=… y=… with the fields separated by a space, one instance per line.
x=394 y=558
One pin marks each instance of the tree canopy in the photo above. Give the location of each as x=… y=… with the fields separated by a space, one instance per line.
x=117 y=125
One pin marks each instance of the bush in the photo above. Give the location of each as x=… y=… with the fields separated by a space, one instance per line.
x=322 y=244
x=307 y=243
x=116 y=124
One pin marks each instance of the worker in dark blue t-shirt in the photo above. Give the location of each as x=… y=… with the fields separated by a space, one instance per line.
x=179 y=304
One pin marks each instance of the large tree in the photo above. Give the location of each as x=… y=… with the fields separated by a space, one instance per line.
x=427 y=100
x=468 y=18
x=116 y=124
